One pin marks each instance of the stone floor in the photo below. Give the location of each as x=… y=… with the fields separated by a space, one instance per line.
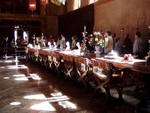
x=27 y=88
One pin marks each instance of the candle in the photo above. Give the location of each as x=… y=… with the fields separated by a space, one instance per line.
x=84 y=28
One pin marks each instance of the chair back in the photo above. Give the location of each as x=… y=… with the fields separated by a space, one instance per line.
x=102 y=67
x=81 y=63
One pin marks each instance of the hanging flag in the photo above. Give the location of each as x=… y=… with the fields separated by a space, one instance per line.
x=56 y=2
x=62 y=1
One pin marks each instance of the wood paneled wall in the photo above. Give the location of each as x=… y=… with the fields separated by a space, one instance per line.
x=73 y=22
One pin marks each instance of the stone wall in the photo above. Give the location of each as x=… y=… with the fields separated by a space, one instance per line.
x=116 y=15
x=129 y=15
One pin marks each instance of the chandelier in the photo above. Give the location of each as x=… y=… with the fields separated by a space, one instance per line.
x=32 y=5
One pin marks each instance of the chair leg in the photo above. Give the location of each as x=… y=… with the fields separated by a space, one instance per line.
x=106 y=87
x=119 y=91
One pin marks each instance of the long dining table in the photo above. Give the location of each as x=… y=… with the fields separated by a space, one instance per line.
x=136 y=65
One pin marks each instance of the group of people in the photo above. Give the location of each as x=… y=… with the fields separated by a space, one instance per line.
x=41 y=41
x=7 y=42
x=60 y=42
x=139 y=47
x=124 y=45
x=7 y=45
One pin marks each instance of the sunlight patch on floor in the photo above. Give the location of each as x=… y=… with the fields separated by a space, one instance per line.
x=67 y=104
x=34 y=76
x=19 y=75
x=56 y=94
x=16 y=67
x=44 y=106
x=6 y=78
x=35 y=97
x=15 y=103
x=22 y=79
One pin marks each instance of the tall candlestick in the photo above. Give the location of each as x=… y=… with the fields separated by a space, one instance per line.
x=84 y=41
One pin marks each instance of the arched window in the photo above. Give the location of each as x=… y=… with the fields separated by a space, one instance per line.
x=77 y=4
x=92 y=1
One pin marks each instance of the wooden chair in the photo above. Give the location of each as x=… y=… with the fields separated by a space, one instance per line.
x=40 y=58
x=107 y=76
x=33 y=55
x=68 y=61
x=50 y=60
x=98 y=77
x=43 y=58
x=82 y=68
x=56 y=62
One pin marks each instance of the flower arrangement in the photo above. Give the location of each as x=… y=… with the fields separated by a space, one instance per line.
x=97 y=39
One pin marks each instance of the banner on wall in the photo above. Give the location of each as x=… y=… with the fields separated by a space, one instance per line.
x=56 y=2
x=62 y=1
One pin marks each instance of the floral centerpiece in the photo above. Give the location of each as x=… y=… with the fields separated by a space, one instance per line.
x=95 y=40
x=98 y=41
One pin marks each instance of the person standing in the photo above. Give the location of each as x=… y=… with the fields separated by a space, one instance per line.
x=108 y=42
x=58 y=42
x=73 y=42
x=62 y=42
x=18 y=41
x=138 y=46
x=118 y=45
x=127 y=45
x=33 y=41
x=5 y=44
x=42 y=40
x=147 y=45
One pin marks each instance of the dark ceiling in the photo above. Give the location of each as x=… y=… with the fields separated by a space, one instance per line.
x=17 y=6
